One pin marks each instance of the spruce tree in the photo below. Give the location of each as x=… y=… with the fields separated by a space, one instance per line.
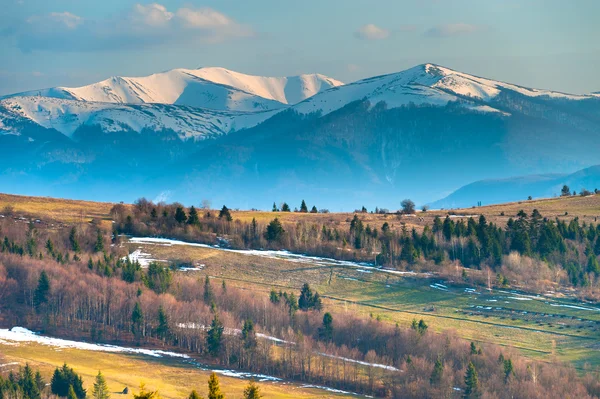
x=180 y=216
x=40 y=296
x=275 y=209
x=193 y=218
x=326 y=330
x=194 y=395
x=73 y=240
x=285 y=207
x=314 y=209
x=214 y=390
x=99 y=246
x=274 y=231
x=471 y=381
x=209 y=295
x=303 y=207
x=437 y=373
x=214 y=336
x=100 y=390
x=252 y=391
x=137 y=320
x=163 y=324
x=225 y=214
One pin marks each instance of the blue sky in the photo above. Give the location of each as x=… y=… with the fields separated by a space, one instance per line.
x=549 y=44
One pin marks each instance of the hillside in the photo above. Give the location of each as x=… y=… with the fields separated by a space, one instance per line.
x=519 y=188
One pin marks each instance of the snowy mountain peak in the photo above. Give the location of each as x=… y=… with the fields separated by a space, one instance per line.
x=212 y=88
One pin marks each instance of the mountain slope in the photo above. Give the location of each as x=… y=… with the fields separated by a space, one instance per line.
x=66 y=116
x=212 y=88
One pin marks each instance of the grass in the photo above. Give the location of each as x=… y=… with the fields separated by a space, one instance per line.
x=69 y=211
x=171 y=377
x=544 y=331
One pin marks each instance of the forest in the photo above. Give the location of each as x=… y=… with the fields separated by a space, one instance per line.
x=563 y=252
x=71 y=282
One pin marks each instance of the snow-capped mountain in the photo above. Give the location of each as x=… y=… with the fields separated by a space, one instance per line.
x=424 y=84
x=418 y=134
x=66 y=116
x=211 y=88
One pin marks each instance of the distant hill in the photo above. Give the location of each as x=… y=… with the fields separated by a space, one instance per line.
x=495 y=191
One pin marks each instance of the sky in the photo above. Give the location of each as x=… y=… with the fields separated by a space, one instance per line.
x=549 y=44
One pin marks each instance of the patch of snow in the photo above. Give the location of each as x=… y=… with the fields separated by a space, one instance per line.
x=20 y=334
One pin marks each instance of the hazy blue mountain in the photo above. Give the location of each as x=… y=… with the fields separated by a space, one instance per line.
x=415 y=134
x=493 y=191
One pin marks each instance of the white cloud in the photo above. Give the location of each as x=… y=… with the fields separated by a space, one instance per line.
x=142 y=26
x=371 y=32
x=152 y=15
x=58 y=19
x=447 y=30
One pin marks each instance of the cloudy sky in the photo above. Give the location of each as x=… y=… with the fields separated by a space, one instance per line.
x=538 y=43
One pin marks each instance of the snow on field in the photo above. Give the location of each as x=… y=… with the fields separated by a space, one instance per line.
x=281 y=255
x=575 y=307
x=20 y=334
x=142 y=258
x=439 y=287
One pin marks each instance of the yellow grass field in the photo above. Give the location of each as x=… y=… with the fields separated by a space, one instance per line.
x=174 y=379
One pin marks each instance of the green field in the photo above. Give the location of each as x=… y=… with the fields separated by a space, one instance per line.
x=547 y=328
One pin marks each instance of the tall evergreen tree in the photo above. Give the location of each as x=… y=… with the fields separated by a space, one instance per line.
x=180 y=216
x=163 y=330
x=73 y=240
x=193 y=218
x=471 y=381
x=252 y=391
x=40 y=296
x=303 y=207
x=285 y=207
x=214 y=336
x=274 y=230
x=99 y=246
x=209 y=295
x=100 y=390
x=437 y=373
x=326 y=330
x=214 y=390
x=137 y=320
x=225 y=214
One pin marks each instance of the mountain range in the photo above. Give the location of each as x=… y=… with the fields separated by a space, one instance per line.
x=248 y=141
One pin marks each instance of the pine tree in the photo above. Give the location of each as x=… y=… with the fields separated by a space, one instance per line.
x=137 y=319
x=437 y=373
x=65 y=379
x=180 y=215
x=73 y=240
x=274 y=231
x=225 y=214
x=303 y=207
x=40 y=296
x=306 y=298
x=27 y=383
x=275 y=209
x=100 y=390
x=214 y=336
x=99 y=247
x=214 y=390
x=314 y=209
x=71 y=394
x=209 y=295
x=326 y=330
x=193 y=218
x=471 y=381
x=163 y=324
x=285 y=207
x=194 y=395
x=509 y=369
x=252 y=391
x=593 y=266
